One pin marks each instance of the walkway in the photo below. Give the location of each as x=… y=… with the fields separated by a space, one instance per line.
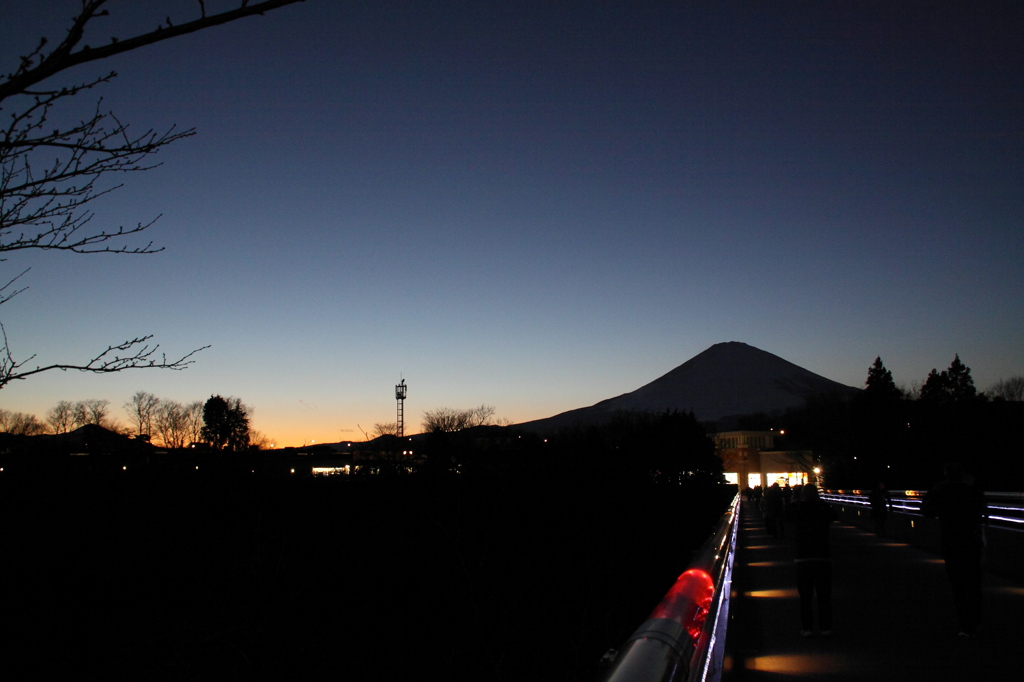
x=894 y=616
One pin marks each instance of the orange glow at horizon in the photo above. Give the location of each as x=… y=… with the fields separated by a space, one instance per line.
x=798 y=664
x=772 y=594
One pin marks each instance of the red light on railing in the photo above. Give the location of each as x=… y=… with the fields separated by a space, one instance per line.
x=688 y=602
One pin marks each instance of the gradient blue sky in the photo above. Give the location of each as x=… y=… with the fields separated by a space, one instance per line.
x=540 y=205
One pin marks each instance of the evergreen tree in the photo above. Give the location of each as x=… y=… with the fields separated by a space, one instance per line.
x=961 y=385
x=226 y=424
x=953 y=385
x=935 y=388
x=879 y=384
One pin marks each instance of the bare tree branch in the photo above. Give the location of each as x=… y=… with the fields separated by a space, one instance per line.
x=135 y=353
x=6 y=295
x=50 y=176
x=47 y=209
x=36 y=67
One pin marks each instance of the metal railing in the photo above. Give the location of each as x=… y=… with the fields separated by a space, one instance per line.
x=1004 y=509
x=684 y=637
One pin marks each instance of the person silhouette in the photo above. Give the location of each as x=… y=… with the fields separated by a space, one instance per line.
x=774 y=505
x=881 y=505
x=960 y=508
x=812 y=517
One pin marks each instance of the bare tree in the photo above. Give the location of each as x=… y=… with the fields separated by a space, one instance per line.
x=92 y=411
x=445 y=419
x=1008 y=389
x=385 y=429
x=450 y=419
x=61 y=417
x=51 y=175
x=481 y=415
x=171 y=421
x=194 y=422
x=20 y=423
x=79 y=415
x=142 y=408
x=910 y=391
x=260 y=440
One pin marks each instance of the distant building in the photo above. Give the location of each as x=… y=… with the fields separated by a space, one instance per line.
x=749 y=458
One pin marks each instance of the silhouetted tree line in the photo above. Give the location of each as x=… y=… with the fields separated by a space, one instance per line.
x=221 y=423
x=450 y=419
x=667 y=447
x=64 y=417
x=20 y=424
x=570 y=537
x=903 y=437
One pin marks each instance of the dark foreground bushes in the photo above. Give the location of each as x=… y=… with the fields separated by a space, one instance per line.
x=502 y=578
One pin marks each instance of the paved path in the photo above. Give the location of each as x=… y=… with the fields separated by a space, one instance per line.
x=894 y=616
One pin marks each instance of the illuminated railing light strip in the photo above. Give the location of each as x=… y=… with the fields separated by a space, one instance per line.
x=913 y=507
x=722 y=604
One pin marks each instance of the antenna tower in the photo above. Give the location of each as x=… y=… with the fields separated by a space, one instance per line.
x=400 y=397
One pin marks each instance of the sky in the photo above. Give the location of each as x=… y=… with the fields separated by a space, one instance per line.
x=538 y=205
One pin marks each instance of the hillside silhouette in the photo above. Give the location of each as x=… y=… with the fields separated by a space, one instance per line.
x=729 y=379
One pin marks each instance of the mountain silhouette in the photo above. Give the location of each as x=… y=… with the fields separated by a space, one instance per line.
x=727 y=380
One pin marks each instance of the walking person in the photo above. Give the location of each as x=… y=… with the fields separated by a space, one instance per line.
x=773 y=509
x=960 y=508
x=812 y=517
x=881 y=505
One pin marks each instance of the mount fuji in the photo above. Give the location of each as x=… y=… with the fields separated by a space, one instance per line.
x=727 y=380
